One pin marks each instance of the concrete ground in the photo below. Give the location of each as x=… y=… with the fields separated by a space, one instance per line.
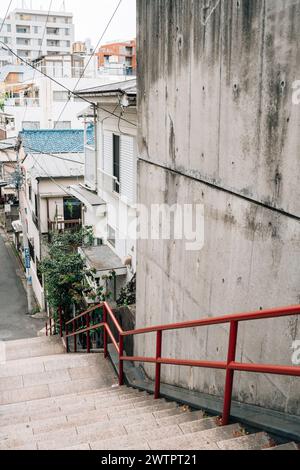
x=14 y=323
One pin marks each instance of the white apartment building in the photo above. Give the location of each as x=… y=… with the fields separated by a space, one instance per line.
x=29 y=33
x=45 y=205
x=36 y=102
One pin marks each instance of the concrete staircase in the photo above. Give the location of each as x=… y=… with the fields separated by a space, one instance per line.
x=53 y=400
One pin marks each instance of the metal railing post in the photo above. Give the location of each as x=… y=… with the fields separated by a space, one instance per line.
x=67 y=339
x=121 y=363
x=50 y=326
x=229 y=372
x=88 y=337
x=158 y=365
x=46 y=325
x=75 y=337
x=105 y=332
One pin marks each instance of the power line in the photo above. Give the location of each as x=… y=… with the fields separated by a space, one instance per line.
x=55 y=156
x=87 y=64
x=43 y=73
x=49 y=176
x=40 y=50
x=71 y=92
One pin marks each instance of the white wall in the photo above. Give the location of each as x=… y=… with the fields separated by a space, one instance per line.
x=48 y=111
x=122 y=205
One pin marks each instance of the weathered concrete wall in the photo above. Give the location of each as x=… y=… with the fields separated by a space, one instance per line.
x=215 y=106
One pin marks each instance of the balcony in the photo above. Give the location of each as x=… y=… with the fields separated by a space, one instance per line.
x=22 y=101
x=62 y=225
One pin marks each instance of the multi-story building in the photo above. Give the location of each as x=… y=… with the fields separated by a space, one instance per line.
x=36 y=102
x=31 y=33
x=118 y=58
x=45 y=205
x=108 y=193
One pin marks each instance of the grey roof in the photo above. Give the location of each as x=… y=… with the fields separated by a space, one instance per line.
x=56 y=166
x=128 y=87
x=86 y=196
x=102 y=258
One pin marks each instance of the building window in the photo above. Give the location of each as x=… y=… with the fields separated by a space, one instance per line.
x=30 y=192
x=36 y=30
x=62 y=125
x=30 y=125
x=25 y=42
x=23 y=53
x=67 y=32
x=38 y=271
x=31 y=249
x=54 y=31
x=116 y=162
x=23 y=29
x=98 y=242
x=111 y=236
x=72 y=209
x=60 y=96
x=8 y=28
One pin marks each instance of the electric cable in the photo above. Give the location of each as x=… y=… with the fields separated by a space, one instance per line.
x=39 y=53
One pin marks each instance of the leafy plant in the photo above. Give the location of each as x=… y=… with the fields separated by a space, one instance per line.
x=128 y=293
x=64 y=270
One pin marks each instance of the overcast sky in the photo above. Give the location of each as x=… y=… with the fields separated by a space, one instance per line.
x=90 y=16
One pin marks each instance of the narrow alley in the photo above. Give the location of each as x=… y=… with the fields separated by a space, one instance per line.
x=14 y=323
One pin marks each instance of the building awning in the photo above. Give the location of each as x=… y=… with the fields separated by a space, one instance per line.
x=17 y=226
x=88 y=198
x=103 y=260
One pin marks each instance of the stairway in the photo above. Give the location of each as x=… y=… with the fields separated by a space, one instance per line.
x=52 y=400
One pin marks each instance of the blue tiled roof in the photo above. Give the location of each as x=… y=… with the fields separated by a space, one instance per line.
x=56 y=140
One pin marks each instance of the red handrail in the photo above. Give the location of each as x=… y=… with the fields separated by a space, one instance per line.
x=230 y=365
x=51 y=324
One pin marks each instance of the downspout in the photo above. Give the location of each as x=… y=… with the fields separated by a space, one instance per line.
x=96 y=146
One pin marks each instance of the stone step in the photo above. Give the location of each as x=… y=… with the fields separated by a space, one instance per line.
x=133 y=427
x=19 y=437
x=103 y=438
x=36 y=392
x=197 y=440
x=288 y=446
x=256 y=441
x=87 y=396
x=68 y=400
x=21 y=349
x=52 y=362
x=39 y=414
x=62 y=417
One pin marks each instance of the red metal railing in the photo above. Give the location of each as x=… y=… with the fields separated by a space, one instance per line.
x=51 y=324
x=229 y=366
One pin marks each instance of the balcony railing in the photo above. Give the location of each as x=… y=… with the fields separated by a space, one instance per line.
x=20 y=102
x=64 y=225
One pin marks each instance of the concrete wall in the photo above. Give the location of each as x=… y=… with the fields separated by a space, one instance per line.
x=218 y=127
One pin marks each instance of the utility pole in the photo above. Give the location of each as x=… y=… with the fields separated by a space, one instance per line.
x=29 y=291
